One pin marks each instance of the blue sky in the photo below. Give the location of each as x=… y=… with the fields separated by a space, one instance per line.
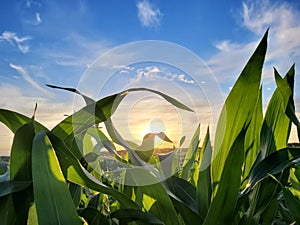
x=56 y=42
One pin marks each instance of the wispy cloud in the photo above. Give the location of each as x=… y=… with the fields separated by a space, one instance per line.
x=148 y=15
x=38 y=18
x=257 y=16
x=283 y=19
x=27 y=77
x=13 y=39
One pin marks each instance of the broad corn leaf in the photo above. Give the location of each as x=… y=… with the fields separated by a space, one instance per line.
x=9 y=187
x=204 y=187
x=276 y=127
x=14 y=120
x=252 y=139
x=161 y=204
x=223 y=207
x=21 y=169
x=54 y=204
x=273 y=164
x=237 y=111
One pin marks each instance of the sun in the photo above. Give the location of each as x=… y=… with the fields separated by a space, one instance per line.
x=156 y=125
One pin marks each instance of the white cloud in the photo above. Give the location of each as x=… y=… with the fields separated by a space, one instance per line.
x=27 y=77
x=13 y=39
x=38 y=18
x=149 y=71
x=182 y=78
x=284 y=23
x=225 y=46
x=148 y=15
x=283 y=41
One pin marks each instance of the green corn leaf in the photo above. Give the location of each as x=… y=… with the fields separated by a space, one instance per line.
x=129 y=215
x=252 y=139
x=274 y=135
x=14 y=120
x=9 y=187
x=87 y=117
x=76 y=192
x=268 y=216
x=183 y=195
x=183 y=191
x=53 y=201
x=76 y=173
x=190 y=155
x=238 y=110
x=21 y=169
x=87 y=99
x=272 y=164
x=276 y=126
x=96 y=112
x=102 y=140
x=223 y=207
x=204 y=189
x=20 y=166
x=32 y=215
x=93 y=216
x=157 y=199
x=295 y=181
x=293 y=204
x=7 y=213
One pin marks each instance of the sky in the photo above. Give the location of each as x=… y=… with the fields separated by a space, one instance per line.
x=99 y=47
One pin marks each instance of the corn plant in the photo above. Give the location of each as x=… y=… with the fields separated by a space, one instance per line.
x=249 y=175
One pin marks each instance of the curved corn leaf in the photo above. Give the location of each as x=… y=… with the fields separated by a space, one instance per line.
x=181 y=190
x=273 y=164
x=14 y=120
x=9 y=187
x=54 y=204
x=76 y=173
x=292 y=202
x=128 y=215
x=87 y=99
x=237 y=111
x=96 y=112
x=184 y=198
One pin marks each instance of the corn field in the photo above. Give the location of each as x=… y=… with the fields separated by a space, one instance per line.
x=249 y=175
